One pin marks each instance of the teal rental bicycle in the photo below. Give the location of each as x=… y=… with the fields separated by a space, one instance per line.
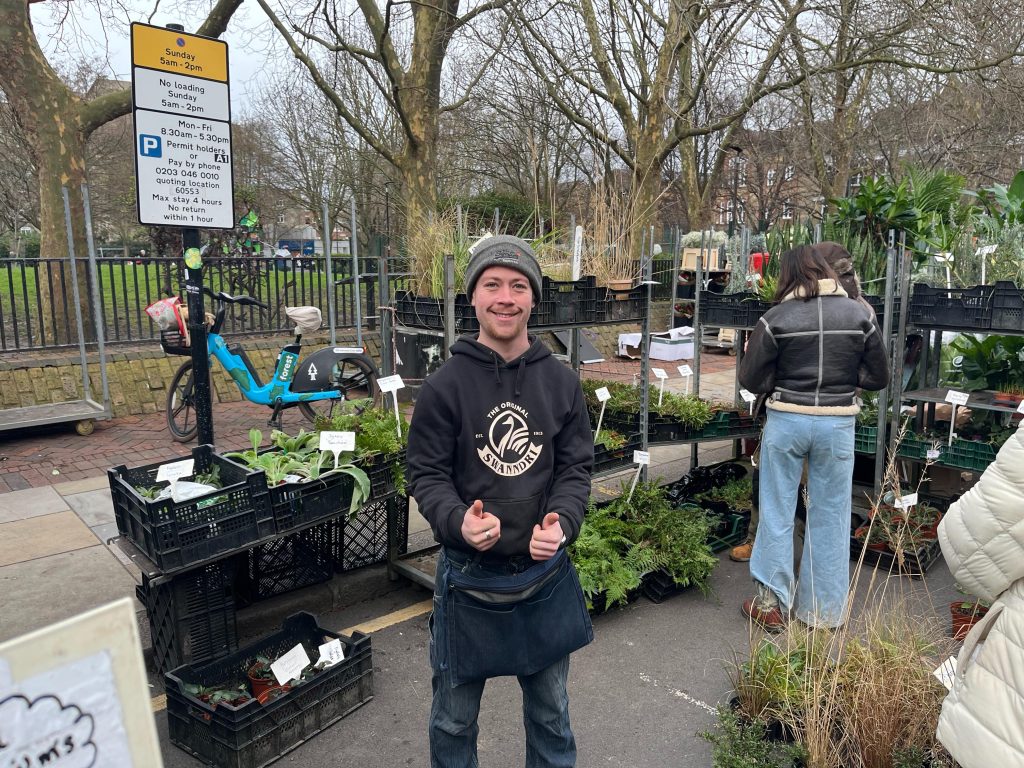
x=314 y=385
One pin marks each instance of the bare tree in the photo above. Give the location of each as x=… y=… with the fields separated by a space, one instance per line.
x=403 y=50
x=57 y=123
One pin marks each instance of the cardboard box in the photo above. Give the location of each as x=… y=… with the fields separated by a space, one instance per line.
x=676 y=344
x=689 y=258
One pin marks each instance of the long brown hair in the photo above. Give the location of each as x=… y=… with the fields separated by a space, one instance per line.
x=800 y=269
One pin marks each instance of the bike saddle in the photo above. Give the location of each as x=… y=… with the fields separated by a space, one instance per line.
x=306 y=319
x=245 y=301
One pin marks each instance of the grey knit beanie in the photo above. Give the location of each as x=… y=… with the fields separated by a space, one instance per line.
x=503 y=251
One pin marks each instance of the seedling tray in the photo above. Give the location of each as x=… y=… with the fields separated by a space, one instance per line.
x=253 y=735
x=175 y=535
x=913 y=563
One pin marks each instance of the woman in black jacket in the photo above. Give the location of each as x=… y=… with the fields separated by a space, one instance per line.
x=810 y=354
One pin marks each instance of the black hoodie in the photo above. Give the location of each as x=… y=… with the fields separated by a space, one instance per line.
x=515 y=435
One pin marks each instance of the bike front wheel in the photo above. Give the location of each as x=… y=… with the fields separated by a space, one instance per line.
x=356 y=379
x=181 y=405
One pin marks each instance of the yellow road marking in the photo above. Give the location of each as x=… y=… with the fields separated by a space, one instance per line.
x=367 y=627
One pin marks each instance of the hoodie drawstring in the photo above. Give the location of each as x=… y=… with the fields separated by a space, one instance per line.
x=497 y=372
x=519 y=375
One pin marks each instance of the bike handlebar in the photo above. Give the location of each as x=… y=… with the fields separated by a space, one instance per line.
x=245 y=301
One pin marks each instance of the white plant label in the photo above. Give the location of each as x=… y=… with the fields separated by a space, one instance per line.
x=748 y=397
x=336 y=442
x=906 y=502
x=390 y=383
x=932 y=454
x=685 y=370
x=985 y=250
x=603 y=395
x=659 y=373
x=1020 y=408
x=642 y=457
x=946 y=672
x=290 y=666
x=348 y=350
x=957 y=398
x=175 y=470
x=331 y=653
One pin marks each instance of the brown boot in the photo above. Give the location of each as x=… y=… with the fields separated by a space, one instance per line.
x=741 y=552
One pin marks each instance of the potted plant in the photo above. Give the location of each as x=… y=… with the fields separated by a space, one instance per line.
x=964 y=614
x=261 y=677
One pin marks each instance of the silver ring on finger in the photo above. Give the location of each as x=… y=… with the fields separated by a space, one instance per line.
x=488 y=534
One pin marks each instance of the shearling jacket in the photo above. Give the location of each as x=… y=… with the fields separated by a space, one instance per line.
x=811 y=355
x=982 y=540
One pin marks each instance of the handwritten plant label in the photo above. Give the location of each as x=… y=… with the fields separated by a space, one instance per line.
x=175 y=470
x=390 y=383
x=337 y=442
x=659 y=373
x=748 y=397
x=602 y=394
x=290 y=666
x=331 y=653
x=957 y=398
x=906 y=502
x=932 y=454
x=685 y=370
x=641 y=457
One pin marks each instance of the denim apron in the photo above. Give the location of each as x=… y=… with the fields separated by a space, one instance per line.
x=505 y=616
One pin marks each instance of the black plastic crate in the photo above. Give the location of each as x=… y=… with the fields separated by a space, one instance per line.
x=384 y=473
x=878 y=304
x=953 y=308
x=192 y=616
x=659 y=586
x=731 y=310
x=622 y=308
x=912 y=563
x=605 y=460
x=428 y=313
x=363 y=540
x=173 y=343
x=298 y=504
x=175 y=535
x=287 y=563
x=253 y=735
x=1007 y=307
x=572 y=301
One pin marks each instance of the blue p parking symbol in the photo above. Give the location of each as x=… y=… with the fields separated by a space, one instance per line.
x=149 y=146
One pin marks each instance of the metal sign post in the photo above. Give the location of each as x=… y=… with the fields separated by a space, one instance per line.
x=184 y=174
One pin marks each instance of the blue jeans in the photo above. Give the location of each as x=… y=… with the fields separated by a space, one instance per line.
x=453 y=713
x=819 y=598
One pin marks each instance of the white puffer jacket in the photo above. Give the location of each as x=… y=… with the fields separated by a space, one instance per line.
x=982 y=539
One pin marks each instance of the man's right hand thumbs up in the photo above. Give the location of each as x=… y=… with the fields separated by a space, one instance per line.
x=481 y=530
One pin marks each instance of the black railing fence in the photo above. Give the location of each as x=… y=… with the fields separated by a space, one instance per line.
x=37 y=311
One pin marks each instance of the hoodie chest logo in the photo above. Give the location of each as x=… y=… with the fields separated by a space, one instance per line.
x=509 y=450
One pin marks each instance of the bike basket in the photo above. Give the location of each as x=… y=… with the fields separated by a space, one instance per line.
x=174 y=343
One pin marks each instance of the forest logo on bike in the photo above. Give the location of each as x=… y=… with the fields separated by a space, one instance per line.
x=509 y=450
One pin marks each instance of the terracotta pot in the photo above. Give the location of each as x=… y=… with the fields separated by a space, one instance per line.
x=620 y=289
x=963 y=620
x=273 y=692
x=861 y=535
x=260 y=684
x=1006 y=399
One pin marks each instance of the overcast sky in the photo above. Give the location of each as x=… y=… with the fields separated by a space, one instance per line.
x=88 y=31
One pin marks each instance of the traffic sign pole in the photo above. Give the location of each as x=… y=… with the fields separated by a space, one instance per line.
x=183 y=164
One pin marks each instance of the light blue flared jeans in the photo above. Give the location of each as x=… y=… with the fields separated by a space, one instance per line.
x=818 y=598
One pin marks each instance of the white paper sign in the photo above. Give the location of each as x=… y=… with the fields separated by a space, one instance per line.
x=932 y=454
x=957 y=398
x=331 y=653
x=906 y=502
x=985 y=250
x=336 y=442
x=603 y=395
x=748 y=397
x=659 y=373
x=641 y=457
x=67 y=717
x=290 y=666
x=175 y=470
x=348 y=350
x=685 y=370
x=390 y=383
x=946 y=672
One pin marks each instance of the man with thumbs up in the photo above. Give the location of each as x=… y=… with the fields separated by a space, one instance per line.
x=499 y=457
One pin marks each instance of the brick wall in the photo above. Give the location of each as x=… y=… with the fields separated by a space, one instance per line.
x=138 y=377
